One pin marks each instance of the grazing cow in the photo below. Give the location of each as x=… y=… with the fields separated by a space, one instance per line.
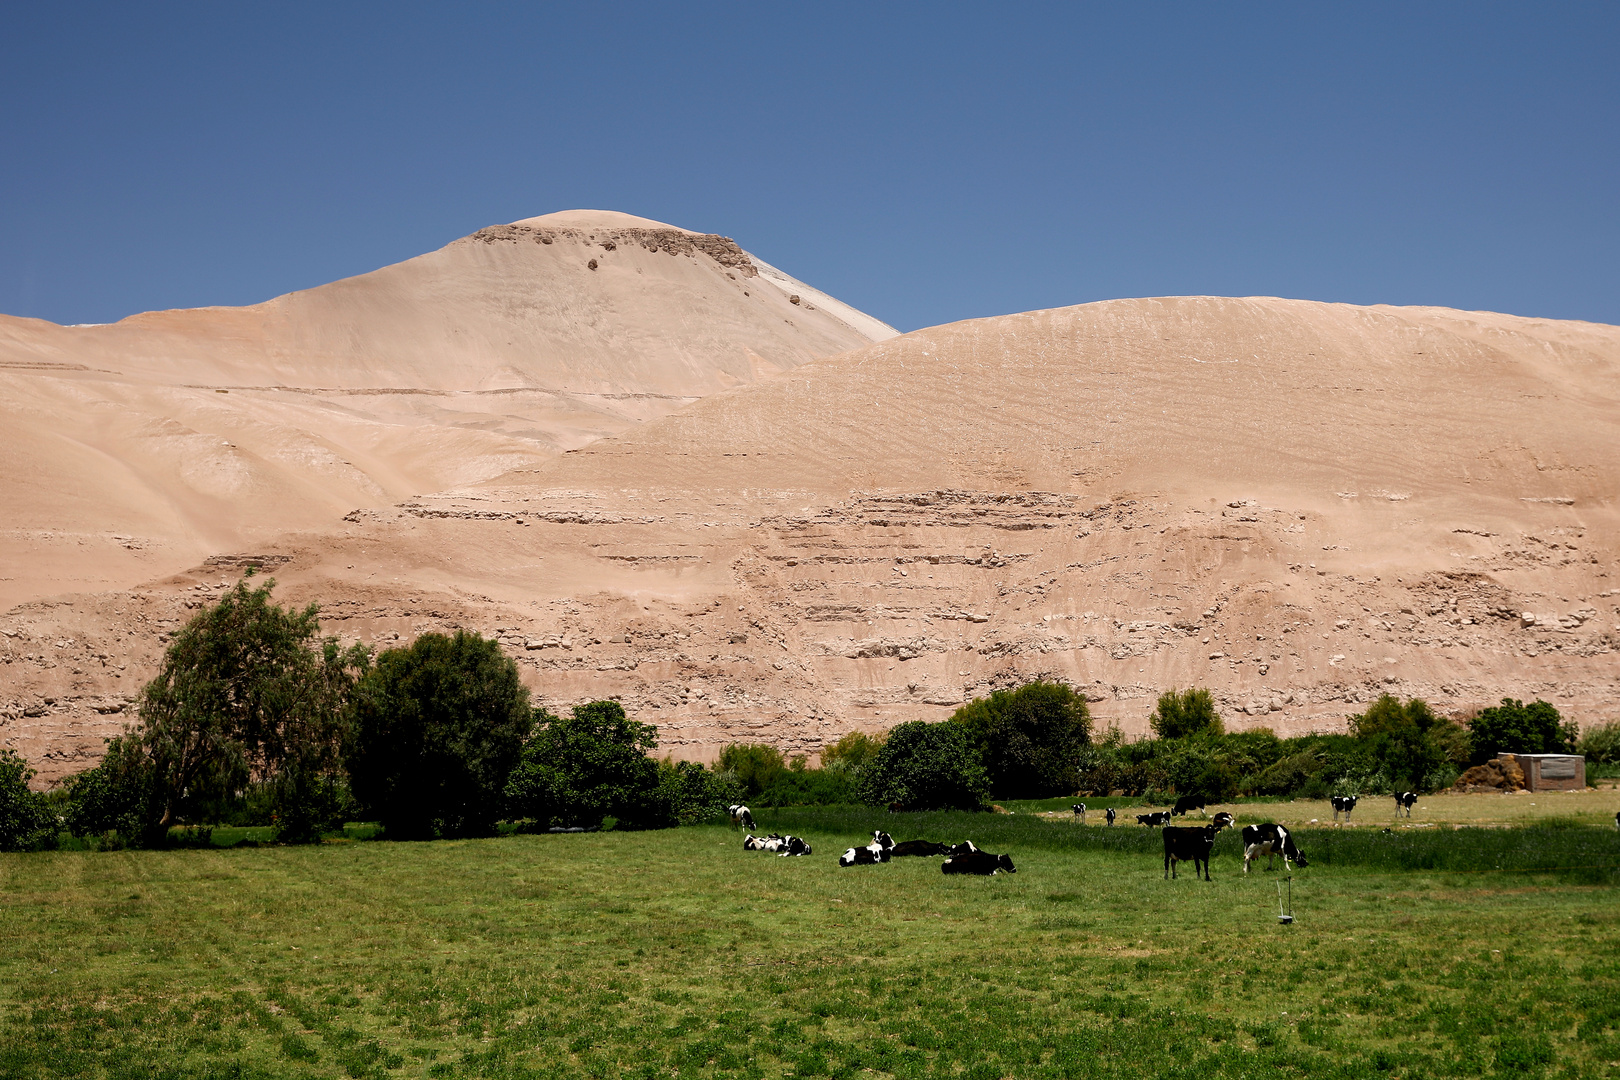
x=1343 y=804
x=1222 y=820
x=978 y=862
x=1270 y=840
x=1186 y=803
x=1155 y=820
x=869 y=855
x=924 y=848
x=1191 y=844
x=741 y=817
x=1111 y=815
x=792 y=845
x=1404 y=801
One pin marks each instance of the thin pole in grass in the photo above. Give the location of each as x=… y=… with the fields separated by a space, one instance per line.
x=1285 y=909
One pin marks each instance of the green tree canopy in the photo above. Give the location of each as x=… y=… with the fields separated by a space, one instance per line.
x=1407 y=743
x=1186 y=714
x=1029 y=739
x=755 y=766
x=578 y=769
x=1516 y=728
x=438 y=728
x=248 y=693
x=853 y=750
x=26 y=822
x=924 y=766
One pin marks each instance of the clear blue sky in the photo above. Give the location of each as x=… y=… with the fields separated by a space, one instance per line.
x=926 y=162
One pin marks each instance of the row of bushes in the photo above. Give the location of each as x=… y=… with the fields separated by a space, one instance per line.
x=256 y=719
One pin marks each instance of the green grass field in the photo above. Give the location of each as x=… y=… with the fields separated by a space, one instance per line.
x=677 y=954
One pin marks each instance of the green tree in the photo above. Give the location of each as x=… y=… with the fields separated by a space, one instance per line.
x=1029 y=739
x=1516 y=728
x=437 y=729
x=1186 y=714
x=755 y=766
x=926 y=766
x=852 y=750
x=248 y=693
x=1407 y=744
x=579 y=769
x=1601 y=744
x=26 y=822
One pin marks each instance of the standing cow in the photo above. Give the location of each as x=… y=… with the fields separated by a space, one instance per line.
x=1191 y=844
x=1343 y=804
x=1404 y=801
x=1080 y=812
x=1270 y=840
x=1111 y=815
x=740 y=817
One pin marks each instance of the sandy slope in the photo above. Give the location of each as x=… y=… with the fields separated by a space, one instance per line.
x=1299 y=505
x=135 y=449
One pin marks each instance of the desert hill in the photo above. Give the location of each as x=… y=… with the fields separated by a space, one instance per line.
x=1298 y=505
x=132 y=450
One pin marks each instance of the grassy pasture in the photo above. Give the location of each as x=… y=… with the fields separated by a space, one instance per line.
x=676 y=953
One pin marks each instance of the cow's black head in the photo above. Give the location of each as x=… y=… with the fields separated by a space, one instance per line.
x=1004 y=863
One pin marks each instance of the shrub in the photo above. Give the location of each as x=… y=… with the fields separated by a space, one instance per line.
x=1029 y=739
x=579 y=769
x=853 y=750
x=1186 y=714
x=926 y=766
x=437 y=730
x=26 y=822
x=116 y=799
x=1516 y=728
x=810 y=787
x=686 y=794
x=1407 y=747
x=753 y=765
x=1601 y=744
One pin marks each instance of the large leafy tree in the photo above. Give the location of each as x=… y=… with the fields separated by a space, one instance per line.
x=438 y=727
x=25 y=820
x=579 y=769
x=1407 y=742
x=1185 y=714
x=1516 y=728
x=1029 y=739
x=248 y=693
x=923 y=766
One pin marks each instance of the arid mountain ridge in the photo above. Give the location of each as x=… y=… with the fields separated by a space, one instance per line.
x=1298 y=505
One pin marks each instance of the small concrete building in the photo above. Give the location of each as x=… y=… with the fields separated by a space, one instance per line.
x=1552 y=772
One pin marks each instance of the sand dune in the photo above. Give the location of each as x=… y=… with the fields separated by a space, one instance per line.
x=138 y=448
x=1298 y=505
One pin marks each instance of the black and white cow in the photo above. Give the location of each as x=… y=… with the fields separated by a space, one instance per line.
x=1222 y=820
x=1617 y=819
x=882 y=839
x=1154 y=820
x=1111 y=815
x=1187 y=803
x=923 y=848
x=966 y=847
x=1270 y=840
x=762 y=843
x=869 y=855
x=1343 y=804
x=1080 y=812
x=740 y=817
x=978 y=862
x=1189 y=845
x=792 y=845
x=1404 y=800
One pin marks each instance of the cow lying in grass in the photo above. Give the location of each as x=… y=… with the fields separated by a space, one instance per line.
x=1188 y=844
x=924 y=848
x=978 y=862
x=1404 y=800
x=875 y=852
x=1270 y=840
x=777 y=844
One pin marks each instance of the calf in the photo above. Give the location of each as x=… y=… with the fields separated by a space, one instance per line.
x=1270 y=840
x=1343 y=804
x=741 y=817
x=978 y=862
x=792 y=845
x=1080 y=812
x=1191 y=844
x=869 y=855
x=882 y=839
x=1111 y=815
x=1153 y=821
x=1404 y=801
x=1222 y=820
x=918 y=847
x=1186 y=803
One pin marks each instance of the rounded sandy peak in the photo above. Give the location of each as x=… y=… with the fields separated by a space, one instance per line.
x=594 y=219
